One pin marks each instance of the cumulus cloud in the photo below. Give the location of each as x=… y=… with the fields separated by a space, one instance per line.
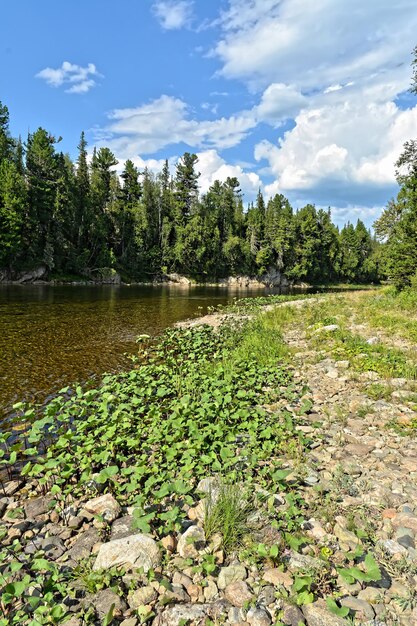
x=336 y=69
x=340 y=147
x=173 y=14
x=213 y=167
x=278 y=103
x=166 y=121
x=76 y=78
x=314 y=44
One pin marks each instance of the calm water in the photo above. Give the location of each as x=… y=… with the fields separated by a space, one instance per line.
x=52 y=336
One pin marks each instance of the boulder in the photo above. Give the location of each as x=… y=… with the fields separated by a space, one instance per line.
x=130 y=552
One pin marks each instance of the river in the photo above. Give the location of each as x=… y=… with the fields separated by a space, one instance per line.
x=53 y=336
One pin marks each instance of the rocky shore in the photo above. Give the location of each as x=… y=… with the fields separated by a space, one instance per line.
x=356 y=477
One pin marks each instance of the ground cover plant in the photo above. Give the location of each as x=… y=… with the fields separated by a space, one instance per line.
x=199 y=402
x=191 y=406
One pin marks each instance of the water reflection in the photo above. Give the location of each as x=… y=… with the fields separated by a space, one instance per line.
x=52 y=336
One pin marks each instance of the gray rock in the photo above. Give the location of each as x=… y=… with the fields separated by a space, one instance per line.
x=347 y=539
x=303 y=561
x=363 y=610
x=405 y=537
x=266 y=596
x=73 y=621
x=236 y=616
x=37 y=506
x=317 y=614
x=130 y=552
x=104 y=600
x=231 y=574
x=11 y=487
x=191 y=542
x=130 y=621
x=175 y=594
x=373 y=595
x=332 y=372
x=210 y=590
x=292 y=615
x=53 y=547
x=75 y=522
x=177 y=614
x=105 y=506
x=122 y=527
x=3 y=505
x=83 y=545
x=392 y=547
x=258 y=617
x=210 y=486
x=330 y=328
x=312 y=478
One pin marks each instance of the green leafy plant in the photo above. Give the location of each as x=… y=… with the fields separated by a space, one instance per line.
x=370 y=571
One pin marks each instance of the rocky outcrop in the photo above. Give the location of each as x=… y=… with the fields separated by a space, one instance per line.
x=36 y=274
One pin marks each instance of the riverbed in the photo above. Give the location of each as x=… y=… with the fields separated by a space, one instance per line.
x=53 y=336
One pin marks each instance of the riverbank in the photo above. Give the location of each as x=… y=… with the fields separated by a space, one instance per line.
x=258 y=468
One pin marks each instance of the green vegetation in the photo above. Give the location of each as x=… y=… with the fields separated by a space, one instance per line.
x=200 y=403
x=82 y=219
x=397 y=226
x=226 y=513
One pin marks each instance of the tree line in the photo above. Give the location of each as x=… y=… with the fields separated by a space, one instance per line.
x=76 y=217
x=397 y=226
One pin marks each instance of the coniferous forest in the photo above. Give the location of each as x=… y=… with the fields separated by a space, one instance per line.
x=75 y=218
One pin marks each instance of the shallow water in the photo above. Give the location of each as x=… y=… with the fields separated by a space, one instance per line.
x=52 y=336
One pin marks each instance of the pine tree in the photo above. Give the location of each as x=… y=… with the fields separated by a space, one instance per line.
x=41 y=169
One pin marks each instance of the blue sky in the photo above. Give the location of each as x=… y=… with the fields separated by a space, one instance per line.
x=306 y=99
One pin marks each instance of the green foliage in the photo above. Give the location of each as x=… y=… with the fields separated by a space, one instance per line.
x=370 y=572
x=397 y=226
x=193 y=408
x=340 y=611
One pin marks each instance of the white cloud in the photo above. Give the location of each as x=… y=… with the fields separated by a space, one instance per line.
x=278 y=103
x=314 y=44
x=336 y=69
x=78 y=79
x=173 y=14
x=166 y=121
x=344 y=145
x=213 y=167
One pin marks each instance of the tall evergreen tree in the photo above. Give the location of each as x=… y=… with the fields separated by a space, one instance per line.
x=41 y=171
